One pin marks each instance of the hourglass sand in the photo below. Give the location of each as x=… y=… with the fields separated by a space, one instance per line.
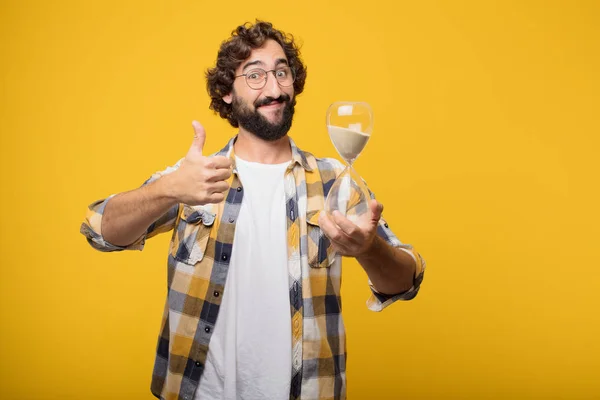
x=349 y=125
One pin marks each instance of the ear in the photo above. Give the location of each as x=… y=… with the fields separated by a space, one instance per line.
x=228 y=98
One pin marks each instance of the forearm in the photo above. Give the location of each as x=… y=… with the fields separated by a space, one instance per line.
x=128 y=215
x=391 y=270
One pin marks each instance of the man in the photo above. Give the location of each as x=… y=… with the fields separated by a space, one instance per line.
x=253 y=308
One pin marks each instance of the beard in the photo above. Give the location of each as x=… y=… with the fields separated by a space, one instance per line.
x=254 y=122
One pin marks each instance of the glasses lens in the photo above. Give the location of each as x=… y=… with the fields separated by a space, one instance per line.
x=285 y=76
x=256 y=78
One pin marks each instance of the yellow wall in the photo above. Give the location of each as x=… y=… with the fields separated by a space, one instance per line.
x=487 y=125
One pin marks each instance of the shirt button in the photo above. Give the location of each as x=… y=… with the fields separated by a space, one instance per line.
x=231 y=219
x=207 y=329
x=198 y=363
x=216 y=294
x=239 y=189
x=386 y=225
x=224 y=257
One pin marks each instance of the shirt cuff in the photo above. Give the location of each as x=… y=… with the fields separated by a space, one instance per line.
x=91 y=228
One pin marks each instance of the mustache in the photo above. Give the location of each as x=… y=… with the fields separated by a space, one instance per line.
x=283 y=98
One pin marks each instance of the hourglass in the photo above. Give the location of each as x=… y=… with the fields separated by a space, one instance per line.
x=349 y=125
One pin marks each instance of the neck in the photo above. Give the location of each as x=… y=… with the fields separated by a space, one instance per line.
x=251 y=148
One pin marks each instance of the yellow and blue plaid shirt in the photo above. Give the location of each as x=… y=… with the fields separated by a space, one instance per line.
x=198 y=262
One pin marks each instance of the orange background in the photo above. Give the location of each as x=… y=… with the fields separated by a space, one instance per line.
x=484 y=152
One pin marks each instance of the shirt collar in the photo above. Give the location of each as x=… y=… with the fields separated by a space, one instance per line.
x=298 y=156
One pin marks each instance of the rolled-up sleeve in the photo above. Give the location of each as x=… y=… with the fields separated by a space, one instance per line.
x=378 y=301
x=91 y=227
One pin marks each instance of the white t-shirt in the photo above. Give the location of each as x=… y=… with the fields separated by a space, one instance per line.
x=250 y=352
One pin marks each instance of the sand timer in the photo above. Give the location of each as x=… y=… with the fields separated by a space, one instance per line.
x=349 y=125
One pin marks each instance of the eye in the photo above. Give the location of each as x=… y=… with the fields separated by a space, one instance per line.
x=282 y=73
x=255 y=75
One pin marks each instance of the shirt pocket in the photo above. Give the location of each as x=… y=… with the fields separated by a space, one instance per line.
x=192 y=234
x=320 y=251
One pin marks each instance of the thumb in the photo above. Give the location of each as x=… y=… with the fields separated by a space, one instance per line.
x=376 y=211
x=199 y=136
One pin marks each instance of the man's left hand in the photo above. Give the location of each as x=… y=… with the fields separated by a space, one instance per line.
x=349 y=239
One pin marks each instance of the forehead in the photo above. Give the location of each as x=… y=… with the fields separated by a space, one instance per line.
x=269 y=55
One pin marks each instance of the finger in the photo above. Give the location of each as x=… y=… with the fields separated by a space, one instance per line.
x=328 y=226
x=342 y=247
x=347 y=226
x=353 y=235
x=220 y=162
x=216 y=198
x=333 y=231
x=219 y=175
x=218 y=187
x=376 y=211
x=199 y=136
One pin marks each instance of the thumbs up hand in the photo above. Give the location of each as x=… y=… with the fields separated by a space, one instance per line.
x=200 y=180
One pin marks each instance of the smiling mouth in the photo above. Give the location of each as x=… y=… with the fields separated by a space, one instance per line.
x=272 y=105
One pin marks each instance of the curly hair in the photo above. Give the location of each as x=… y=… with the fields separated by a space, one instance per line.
x=236 y=49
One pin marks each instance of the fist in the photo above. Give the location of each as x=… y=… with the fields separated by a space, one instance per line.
x=201 y=180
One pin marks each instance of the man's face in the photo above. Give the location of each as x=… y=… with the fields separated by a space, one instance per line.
x=266 y=112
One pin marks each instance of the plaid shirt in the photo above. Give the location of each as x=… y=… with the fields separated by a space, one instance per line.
x=198 y=262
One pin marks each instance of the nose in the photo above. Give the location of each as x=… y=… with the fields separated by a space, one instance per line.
x=272 y=88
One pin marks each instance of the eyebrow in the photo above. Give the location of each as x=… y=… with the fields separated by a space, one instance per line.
x=260 y=63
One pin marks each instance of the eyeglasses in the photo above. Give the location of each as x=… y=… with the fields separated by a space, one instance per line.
x=257 y=78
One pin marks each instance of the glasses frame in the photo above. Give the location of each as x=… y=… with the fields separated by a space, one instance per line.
x=264 y=83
